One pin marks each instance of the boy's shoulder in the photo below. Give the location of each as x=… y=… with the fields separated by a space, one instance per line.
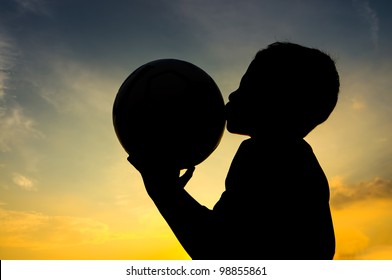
x=271 y=145
x=256 y=152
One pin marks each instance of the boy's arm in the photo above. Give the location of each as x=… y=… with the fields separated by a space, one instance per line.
x=191 y=222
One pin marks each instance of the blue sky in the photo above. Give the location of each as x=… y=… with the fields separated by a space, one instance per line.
x=62 y=62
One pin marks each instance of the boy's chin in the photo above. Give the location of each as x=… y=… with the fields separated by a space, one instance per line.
x=237 y=130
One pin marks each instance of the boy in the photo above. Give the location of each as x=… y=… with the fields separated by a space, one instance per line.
x=276 y=202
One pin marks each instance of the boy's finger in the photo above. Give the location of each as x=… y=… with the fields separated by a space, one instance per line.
x=183 y=180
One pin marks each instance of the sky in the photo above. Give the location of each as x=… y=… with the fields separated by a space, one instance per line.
x=66 y=188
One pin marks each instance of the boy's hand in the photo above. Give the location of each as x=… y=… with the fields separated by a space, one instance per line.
x=159 y=176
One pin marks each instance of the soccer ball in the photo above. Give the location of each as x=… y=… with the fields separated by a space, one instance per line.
x=169 y=110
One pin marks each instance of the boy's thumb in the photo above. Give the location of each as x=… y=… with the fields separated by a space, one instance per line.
x=183 y=180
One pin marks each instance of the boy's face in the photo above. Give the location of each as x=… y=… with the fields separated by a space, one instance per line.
x=242 y=109
x=254 y=109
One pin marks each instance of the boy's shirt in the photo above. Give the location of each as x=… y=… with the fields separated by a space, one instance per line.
x=276 y=204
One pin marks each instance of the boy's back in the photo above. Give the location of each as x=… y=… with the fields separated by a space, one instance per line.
x=276 y=204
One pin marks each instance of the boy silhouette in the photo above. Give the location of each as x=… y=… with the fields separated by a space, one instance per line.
x=276 y=202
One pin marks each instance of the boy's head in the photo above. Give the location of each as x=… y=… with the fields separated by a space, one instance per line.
x=288 y=89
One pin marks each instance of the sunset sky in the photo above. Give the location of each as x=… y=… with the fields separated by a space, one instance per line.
x=66 y=188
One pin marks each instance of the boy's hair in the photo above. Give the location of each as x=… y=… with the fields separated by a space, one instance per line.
x=304 y=81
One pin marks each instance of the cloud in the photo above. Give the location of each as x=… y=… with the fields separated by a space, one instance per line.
x=7 y=58
x=378 y=253
x=72 y=87
x=38 y=7
x=40 y=231
x=3 y=78
x=15 y=127
x=351 y=243
x=342 y=195
x=363 y=230
x=370 y=16
x=122 y=200
x=25 y=183
x=358 y=105
x=36 y=235
x=362 y=217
